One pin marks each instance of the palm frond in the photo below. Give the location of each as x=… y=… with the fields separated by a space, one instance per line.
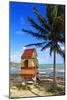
x=42 y=19
x=60 y=37
x=51 y=13
x=58 y=24
x=61 y=52
x=61 y=10
x=53 y=27
x=46 y=46
x=36 y=44
x=51 y=49
x=37 y=35
x=36 y=26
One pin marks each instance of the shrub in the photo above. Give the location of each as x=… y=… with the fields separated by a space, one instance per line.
x=56 y=90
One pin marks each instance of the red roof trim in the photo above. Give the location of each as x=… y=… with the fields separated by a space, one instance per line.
x=28 y=53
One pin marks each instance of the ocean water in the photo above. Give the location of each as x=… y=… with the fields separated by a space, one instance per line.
x=47 y=70
x=44 y=70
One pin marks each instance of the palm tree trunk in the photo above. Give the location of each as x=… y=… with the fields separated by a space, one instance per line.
x=54 y=69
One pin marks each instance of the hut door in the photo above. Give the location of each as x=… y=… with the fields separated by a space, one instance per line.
x=26 y=63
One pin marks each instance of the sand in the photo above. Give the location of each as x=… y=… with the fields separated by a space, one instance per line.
x=17 y=89
x=31 y=91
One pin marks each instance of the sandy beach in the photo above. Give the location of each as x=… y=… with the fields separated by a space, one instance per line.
x=17 y=89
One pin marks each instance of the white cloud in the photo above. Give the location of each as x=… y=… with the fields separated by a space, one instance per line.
x=24 y=48
x=62 y=47
x=22 y=21
x=18 y=32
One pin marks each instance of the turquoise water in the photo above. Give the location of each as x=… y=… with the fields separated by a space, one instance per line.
x=59 y=67
x=47 y=70
x=44 y=70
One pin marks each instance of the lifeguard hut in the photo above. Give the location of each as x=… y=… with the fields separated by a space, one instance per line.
x=29 y=64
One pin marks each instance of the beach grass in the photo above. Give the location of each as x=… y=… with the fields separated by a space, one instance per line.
x=57 y=90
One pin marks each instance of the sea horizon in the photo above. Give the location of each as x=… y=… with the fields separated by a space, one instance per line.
x=44 y=69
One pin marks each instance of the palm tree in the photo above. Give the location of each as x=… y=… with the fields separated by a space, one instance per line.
x=50 y=30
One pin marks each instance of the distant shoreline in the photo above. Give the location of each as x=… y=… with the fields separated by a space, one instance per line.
x=39 y=63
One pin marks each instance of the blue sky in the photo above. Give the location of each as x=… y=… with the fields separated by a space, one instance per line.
x=18 y=39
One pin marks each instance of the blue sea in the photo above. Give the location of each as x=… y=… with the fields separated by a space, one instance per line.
x=44 y=70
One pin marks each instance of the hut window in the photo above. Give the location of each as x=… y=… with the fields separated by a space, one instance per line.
x=26 y=63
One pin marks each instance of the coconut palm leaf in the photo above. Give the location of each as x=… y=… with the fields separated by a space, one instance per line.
x=36 y=26
x=36 y=44
x=61 y=10
x=47 y=45
x=61 y=52
x=37 y=35
x=58 y=25
x=51 y=49
x=42 y=19
x=51 y=13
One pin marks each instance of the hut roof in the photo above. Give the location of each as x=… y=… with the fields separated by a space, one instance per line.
x=28 y=53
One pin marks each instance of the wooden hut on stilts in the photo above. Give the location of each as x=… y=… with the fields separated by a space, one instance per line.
x=29 y=65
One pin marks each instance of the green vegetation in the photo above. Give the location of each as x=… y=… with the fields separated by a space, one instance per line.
x=56 y=90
